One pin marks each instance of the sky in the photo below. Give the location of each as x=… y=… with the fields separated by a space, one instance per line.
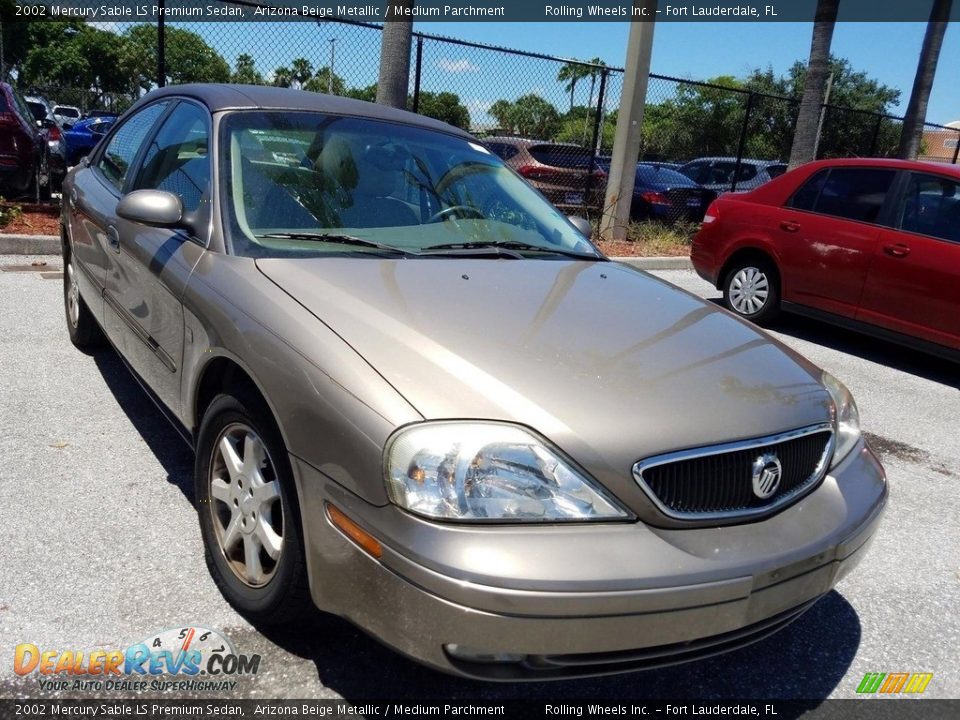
x=887 y=52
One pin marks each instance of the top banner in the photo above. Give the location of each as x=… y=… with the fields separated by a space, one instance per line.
x=472 y=11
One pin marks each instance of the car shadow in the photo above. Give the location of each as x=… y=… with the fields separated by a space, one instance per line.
x=806 y=660
x=867 y=347
x=164 y=442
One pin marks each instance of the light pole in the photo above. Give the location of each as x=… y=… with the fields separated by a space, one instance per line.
x=333 y=55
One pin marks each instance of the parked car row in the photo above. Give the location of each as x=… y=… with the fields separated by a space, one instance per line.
x=667 y=192
x=40 y=141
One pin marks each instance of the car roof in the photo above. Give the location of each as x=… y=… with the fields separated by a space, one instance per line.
x=529 y=142
x=743 y=161
x=892 y=163
x=222 y=97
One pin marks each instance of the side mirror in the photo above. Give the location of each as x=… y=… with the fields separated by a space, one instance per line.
x=581 y=224
x=151 y=207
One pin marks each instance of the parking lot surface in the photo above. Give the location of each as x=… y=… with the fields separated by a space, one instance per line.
x=101 y=548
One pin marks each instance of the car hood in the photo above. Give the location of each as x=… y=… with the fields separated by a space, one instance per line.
x=609 y=363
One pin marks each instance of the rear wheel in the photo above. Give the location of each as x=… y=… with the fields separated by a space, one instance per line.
x=751 y=290
x=248 y=511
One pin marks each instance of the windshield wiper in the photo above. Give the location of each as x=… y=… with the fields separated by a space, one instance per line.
x=504 y=245
x=338 y=239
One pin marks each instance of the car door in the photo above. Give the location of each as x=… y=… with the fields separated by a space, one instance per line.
x=151 y=269
x=92 y=202
x=826 y=235
x=913 y=286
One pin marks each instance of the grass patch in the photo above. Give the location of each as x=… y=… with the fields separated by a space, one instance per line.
x=652 y=239
x=9 y=213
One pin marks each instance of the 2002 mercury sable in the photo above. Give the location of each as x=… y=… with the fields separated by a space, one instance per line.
x=420 y=398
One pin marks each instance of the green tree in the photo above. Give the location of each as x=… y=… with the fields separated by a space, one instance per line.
x=532 y=116
x=368 y=93
x=188 y=57
x=282 y=77
x=301 y=70
x=324 y=82
x=571 y=74
x=445 y=106
x=74 y=55
x=501 y=112
x=245 y=72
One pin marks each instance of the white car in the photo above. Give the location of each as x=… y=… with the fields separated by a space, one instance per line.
x=67 y=115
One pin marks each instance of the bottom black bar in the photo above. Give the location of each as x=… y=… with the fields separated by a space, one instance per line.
x=146 y=709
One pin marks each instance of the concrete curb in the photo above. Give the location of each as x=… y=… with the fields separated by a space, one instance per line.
x=29 y=245
x=50 y=245
x=656 y=263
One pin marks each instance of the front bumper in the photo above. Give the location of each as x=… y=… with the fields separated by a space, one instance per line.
x=564 y=601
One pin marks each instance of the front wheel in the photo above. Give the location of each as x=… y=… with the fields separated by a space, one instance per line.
x=751 y=290
x=84 y=332
x=248 y=511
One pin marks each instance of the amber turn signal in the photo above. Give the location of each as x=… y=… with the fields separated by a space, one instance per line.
x=348 y=527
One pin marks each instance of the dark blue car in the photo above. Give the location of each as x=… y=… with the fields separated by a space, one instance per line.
x=661 y=193
x=84 y=135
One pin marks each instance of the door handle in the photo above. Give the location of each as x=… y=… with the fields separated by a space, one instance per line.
x=113 y=237
x=897 y=250
x=790 y=225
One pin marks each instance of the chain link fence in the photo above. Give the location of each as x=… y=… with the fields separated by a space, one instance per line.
x=552 y=119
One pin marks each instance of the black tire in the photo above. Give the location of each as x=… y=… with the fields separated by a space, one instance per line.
x=751 y=289
x=84 y=331
x=284 y=597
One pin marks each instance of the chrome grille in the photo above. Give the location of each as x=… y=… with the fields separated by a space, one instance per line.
x=717 y=482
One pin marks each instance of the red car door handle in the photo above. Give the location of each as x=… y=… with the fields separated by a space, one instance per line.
x=898 y=250
x=790 y=225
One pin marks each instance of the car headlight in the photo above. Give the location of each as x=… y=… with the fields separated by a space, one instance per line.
x=476 y=471
x=846 y=419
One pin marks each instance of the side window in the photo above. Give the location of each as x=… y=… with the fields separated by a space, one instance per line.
x=693 y=171
x=177 y=160
x=503 y=150
x=931 y=206
x=775 y=171
x=806 y=197
x=123 y=147
x=854 y=193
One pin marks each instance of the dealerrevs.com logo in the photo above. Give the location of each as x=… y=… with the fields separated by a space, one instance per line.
x=188 y=659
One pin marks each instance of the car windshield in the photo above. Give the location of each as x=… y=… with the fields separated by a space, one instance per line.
x=66 y=111
x=657 y=175
x=308 y=184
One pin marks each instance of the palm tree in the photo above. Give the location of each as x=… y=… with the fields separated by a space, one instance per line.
x=301 y=70
x=282 y=77
x=593 y=73
x=912 y=131
x=818 y=68
x=572 y=73
x=394 y=78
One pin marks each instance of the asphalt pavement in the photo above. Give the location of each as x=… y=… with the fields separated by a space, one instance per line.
x=101 y=548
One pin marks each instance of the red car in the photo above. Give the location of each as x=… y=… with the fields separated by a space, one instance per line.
x=24 y=154
x=869 y=244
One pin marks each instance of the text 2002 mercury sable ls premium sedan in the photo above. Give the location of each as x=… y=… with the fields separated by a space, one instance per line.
x=422 y=400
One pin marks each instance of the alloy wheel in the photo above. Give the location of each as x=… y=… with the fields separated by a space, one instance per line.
x=73 y=295
x=246 y=505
